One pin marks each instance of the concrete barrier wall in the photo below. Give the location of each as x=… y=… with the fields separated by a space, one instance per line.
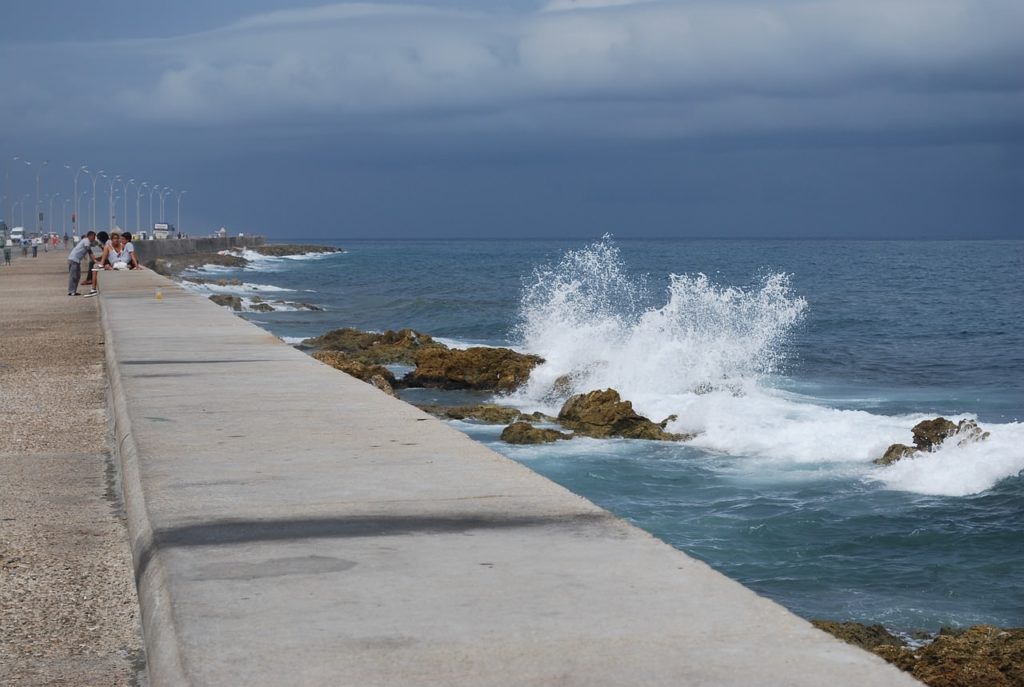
x=163 y=248
x=291 y=525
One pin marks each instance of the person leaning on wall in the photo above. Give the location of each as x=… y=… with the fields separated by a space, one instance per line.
x=75 y=262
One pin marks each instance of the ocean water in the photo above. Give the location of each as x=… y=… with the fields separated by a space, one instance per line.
x=795 y=362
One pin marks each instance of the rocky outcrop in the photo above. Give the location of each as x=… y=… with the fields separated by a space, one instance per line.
x=257 y=304
x=525 y=433
x=233 y=302
x=383 y=384
x=488 y=369
x=280 y=249
x=930 y=434
x=375 y=348
x=488 y=413
x=174 y=265
x=865 y=636
x=366 y=373
x=603 y=414
x=980 y=655
x=893 y=453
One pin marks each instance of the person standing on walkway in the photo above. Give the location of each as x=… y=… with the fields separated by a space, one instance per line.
x=75 y=262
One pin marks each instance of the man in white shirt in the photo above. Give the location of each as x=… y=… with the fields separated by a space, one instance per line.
x=75 y=262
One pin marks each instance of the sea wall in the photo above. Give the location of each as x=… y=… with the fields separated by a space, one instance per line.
x=163 y=248
x=293 y=525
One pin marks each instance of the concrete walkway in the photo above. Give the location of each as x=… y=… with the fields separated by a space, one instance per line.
x=68 y=612
x=294 y=526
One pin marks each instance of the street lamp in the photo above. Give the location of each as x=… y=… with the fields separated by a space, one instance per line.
x=95 y=176
x=180 y=194
x=124 y=204
x=152 y=188
x=50 y=216
x=138 y=196
x=39 y=173
x=110 y=199
x=74 y=219
x=163 y=196
x=64 y=216
x=23 y=200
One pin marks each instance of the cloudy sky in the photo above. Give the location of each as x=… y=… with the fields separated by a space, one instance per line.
x=529 y=118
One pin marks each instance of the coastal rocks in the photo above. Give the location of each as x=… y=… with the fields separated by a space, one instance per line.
x=282 y=249
x=603 y=414
x=488 y=413
x=367 y=373
x=865 y=636
x=375 y=348
x=490 y=369
x=895 y=452
x=930 y=434
x=233 y=302
x=981 y=655
x=525 y=433
x=173 y=266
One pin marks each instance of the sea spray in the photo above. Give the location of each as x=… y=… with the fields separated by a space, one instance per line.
x=593 y=321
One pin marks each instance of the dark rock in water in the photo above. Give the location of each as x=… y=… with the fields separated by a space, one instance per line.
x=490 y=369
x=383 y=384
x=981 y=655
x=604 y=414
x=488 y=413
x=173 y=266
x=525 y=433
x=930 y=434
x=279 y=249
x=257 y=304
x=366 y=373
x=215 y=282
x=304 y=306
x=894 y=453
x=375 y=348
x=233 y=302
x=865 y=636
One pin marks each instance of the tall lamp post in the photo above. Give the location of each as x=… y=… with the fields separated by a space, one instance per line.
x=53 y=197
x=64 y=216
x=124 y=204
x=39 y=173
x=76 y=210
x=110 y=198
x=152 y=189
x=163 y=196
x=95 y=175
x=180 y=194
x=138 y=196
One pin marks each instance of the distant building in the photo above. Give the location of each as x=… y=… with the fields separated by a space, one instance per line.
x=162 y=230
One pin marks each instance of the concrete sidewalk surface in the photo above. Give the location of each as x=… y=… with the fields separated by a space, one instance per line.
x=291 y=525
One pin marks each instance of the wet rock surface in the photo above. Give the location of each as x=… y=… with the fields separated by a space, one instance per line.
x=930 y=434
x=525 y=433
x=488 y=413
x=359 y=370
x=603 y=414
x=233 y=302
x=175 y=265
x=980 y=656
x=281 y=249
x=489 y=369
x=375 y=348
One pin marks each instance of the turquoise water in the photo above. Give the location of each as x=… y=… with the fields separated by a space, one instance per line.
x=796 y=362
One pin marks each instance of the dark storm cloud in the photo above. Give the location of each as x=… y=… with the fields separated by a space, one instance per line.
x=635 y=69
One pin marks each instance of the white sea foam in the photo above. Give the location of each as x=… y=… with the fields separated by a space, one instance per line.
x=705 y=355
x=271 y=263
x=293 y=340
x=960 y=470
